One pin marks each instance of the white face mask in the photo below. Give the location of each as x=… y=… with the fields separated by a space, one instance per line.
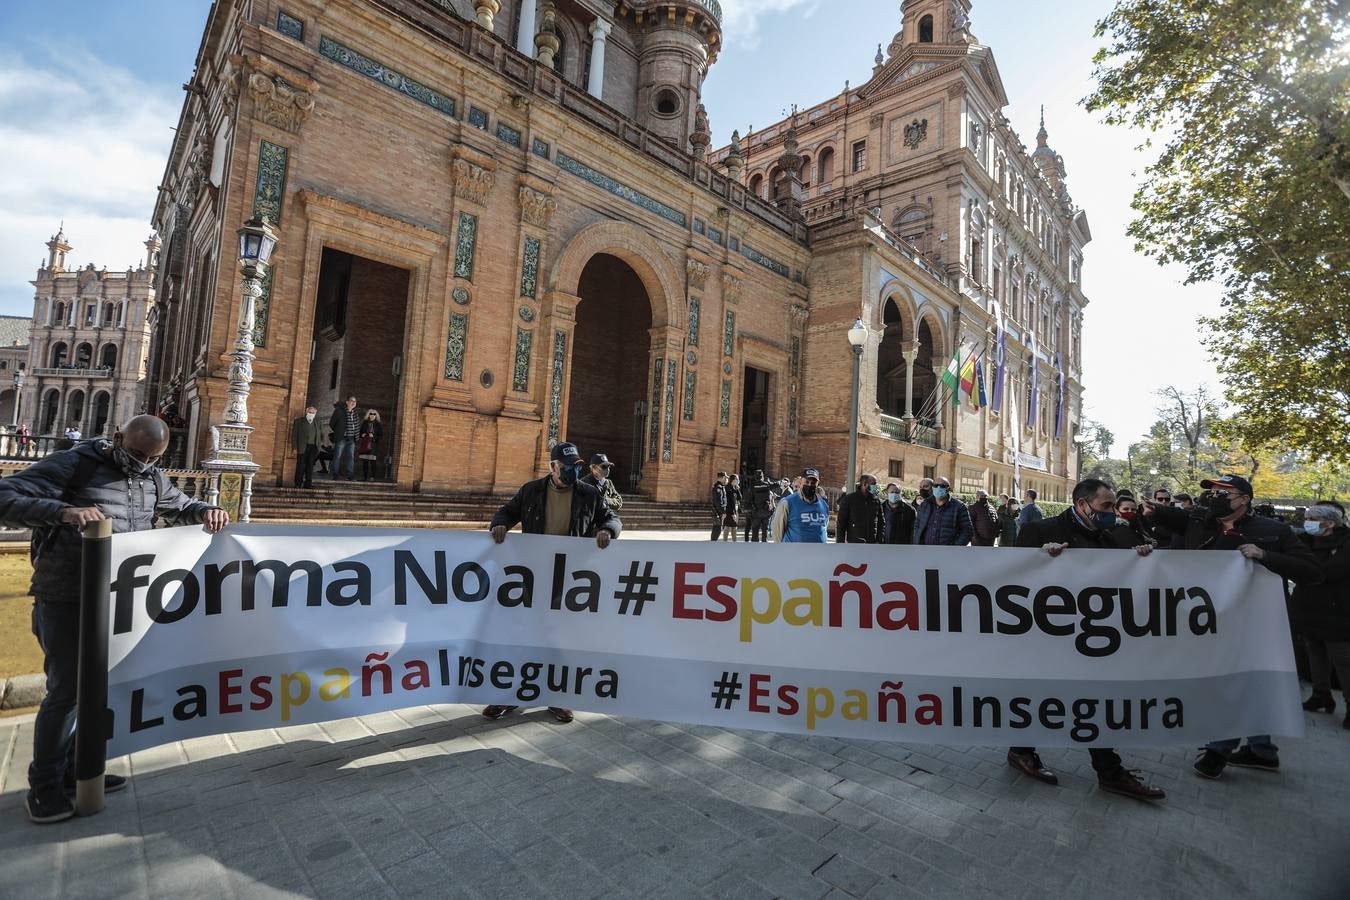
x=309 y=417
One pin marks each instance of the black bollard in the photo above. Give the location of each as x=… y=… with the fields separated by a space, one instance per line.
x=91 y=696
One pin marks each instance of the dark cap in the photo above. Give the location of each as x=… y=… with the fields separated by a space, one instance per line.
x=811 y=473
x=601 y=459
x=1236 y=482
x=566 y=454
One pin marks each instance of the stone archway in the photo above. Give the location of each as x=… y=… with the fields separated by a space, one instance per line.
x=611 y=283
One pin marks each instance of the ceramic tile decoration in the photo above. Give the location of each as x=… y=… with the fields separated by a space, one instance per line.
x=520 y=369
x=391 y=78
x=618 y=189
x=454 y=346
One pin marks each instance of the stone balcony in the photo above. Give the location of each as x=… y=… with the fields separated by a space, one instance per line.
x=910 y=432
x=73 y=372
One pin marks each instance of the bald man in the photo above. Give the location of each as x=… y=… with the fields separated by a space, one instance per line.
x=56 y=497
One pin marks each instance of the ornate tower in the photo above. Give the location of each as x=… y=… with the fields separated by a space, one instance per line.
x=1048 y=161
x=933 y=22
x=57 y=248
x=679 y=41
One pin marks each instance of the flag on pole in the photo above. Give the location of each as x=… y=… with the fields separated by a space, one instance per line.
x=1034 y=396
x=979 y=381
x=968 y=375
x=1000 y=354
x=951 y=379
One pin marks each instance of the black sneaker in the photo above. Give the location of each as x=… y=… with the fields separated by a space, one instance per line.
x=51 y=805
x=1247 y=759
x=1210 y=764
x=111 y=783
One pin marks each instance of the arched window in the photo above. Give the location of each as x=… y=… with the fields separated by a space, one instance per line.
x=60 y=353
x=108 y=358
x=912 y=225
x=109 y=314
x=926 y=30
x=51 y=403
x=777 y=186
x=891 y=366
x=84 y=355
x=59 y=314
x=825 y=166
x=806 y=171
x=757 y=185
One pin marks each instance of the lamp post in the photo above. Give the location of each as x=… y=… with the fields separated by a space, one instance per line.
x=18 y=393
x=231 y=465
x=1152 y=480
x=1080 y=441
x=857 y=336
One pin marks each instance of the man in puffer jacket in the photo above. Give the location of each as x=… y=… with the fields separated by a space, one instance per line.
x=57 y=497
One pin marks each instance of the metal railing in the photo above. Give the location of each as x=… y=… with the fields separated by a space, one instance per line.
x=74 y=372
x=712 y=7
x=910 y=432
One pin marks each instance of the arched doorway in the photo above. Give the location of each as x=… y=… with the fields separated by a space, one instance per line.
x=84 y=356
x=59 y=353
x=102 y=408
x=108 y=358
x=891 y=363
x=75 y=411
x=925 y=379
x=51 y=404
x=607 y=408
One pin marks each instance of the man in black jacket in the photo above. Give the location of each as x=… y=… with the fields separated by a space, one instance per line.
x=57 y=497
x=718 y=497
x=860 y=519
x=1089 y=522
x=899 y=516
x=759 y=500
x=560 y=504
x=1227 y=523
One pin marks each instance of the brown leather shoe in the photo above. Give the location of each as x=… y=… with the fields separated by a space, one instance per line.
x=496 y=712
x=1030 y=764
x=1127 y=783
x=562 y=715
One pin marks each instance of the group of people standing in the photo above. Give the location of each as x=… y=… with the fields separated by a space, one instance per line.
x=350 y=437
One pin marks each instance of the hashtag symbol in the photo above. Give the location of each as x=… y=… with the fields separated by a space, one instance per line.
x=726 y=690
x=636 y=588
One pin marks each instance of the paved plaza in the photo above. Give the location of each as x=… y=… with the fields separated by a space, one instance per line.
x=440 y=802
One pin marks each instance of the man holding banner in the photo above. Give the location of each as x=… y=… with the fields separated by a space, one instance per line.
x=560 y=504
x=56 y=497
x=1089 y=523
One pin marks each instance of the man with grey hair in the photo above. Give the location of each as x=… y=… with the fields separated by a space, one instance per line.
x=56 y=497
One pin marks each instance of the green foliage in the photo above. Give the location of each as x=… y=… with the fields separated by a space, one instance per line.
x=1250 y=102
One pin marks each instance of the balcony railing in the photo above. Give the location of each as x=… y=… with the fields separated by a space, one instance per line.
x=75 y=372
x=711 y=7
x=910 y=432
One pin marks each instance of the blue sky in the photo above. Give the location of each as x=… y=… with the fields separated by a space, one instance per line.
x=89 y=93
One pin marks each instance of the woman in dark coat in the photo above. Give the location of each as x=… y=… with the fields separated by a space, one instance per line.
x=1322 y=611
x=1007 y=524
x=368 y=445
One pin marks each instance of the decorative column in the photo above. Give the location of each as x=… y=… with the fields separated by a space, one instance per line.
x=546 y=43
x=600 y=29
x=910 y=352
x=231 y=467
x=525 y=37
x=485 y=10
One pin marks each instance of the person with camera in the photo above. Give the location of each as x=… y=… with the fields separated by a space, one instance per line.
x=1227 y=523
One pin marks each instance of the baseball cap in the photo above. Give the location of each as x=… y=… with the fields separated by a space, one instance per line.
x=600 y=459
x=811 y=473
x=1235 y=482
x=566 y=454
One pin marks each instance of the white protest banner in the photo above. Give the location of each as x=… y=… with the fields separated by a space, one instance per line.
x=265 y=626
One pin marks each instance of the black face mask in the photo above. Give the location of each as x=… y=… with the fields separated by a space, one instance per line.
x=1221 y=506
x=809 y=491
x=925 y=492
x=569 y=475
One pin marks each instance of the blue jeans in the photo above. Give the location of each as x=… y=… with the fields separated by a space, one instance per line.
x=344 y=449
x=1259 y=743
x=57 y=626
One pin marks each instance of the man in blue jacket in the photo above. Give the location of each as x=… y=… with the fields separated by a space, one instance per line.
x=57 y=497
x=942 y=519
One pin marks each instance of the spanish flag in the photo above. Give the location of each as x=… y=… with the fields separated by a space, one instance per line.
x=968 y=376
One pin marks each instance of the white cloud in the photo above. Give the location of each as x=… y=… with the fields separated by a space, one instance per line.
x=741 y=18
x=84 y=142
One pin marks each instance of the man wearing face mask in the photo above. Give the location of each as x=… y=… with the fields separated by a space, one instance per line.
x=803 y=516
x=599 y=479
x=899 y=517
x=861 y=519
x=559 y=504
x=306 y=433
x=942 y=520
x=1090 y=522
x=925 y=491
x=1227 y=523
x=56 y=497
x=983 y=521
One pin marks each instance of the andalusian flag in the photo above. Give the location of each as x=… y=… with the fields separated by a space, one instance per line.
x=951 y=379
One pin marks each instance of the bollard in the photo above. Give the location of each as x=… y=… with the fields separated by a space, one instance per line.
x=91 y=697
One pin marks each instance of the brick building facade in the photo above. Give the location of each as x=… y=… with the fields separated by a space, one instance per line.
x=501 y=224
x=88 y=344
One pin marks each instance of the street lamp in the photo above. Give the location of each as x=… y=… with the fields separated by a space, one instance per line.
x=18 y=392
x=1080 y=440
x=857 y=337
x=231 y=463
